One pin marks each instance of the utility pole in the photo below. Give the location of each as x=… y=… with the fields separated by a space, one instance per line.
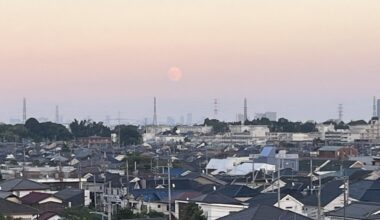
x=170 y=188
x=319 y=197
x=311 y=174
x=109 y=214
x=278 y=182
x=94 y=176
x=345 y=194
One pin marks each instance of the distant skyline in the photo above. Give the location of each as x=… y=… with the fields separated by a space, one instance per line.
x=97 y=58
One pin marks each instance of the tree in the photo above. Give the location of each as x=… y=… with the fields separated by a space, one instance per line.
x=217 y=126
x=129 y=134
x=88 y=128
x=193 y=212
x=79 y=214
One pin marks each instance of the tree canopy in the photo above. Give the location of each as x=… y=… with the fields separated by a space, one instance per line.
x=129 y=134
x=193 y=212
x=87 y=128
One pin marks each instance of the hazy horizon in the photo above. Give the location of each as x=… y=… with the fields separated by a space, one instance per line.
x=96 y=58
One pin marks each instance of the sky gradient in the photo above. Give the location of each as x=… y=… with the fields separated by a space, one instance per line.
x=95 y=58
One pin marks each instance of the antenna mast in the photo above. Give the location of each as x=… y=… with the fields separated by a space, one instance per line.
x=215 y=108
x=24 y=110
x=340 y=112
x=245 y=110
x=57 y=114
x=374 y=107
x=155 y=112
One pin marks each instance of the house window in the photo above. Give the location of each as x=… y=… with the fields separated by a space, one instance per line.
x=289 y=207
x=159 y=206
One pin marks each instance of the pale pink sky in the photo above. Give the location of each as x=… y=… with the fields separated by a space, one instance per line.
x=95 y=57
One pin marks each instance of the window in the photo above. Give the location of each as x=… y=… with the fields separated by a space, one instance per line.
x=289 y=207
x=159 y=206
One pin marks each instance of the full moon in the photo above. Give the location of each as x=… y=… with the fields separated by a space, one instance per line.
x=175 y=74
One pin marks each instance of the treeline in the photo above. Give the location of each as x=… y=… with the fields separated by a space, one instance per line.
x=281 y=125
x=49 y=131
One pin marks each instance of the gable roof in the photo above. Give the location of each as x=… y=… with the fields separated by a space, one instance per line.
x=216 y=198
x=358 y=210
x=329 y=192
x=35 y=197
x=19 y=184
x=11 y=208
x=260 y=212
x=366 y=190
x=265 y=199
x=68 y=193
x=234 y=191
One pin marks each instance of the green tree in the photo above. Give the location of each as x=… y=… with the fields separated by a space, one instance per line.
x=129 y=134
x=88 y=128
x=217 y=126
x=79 y=214
x=193 y=212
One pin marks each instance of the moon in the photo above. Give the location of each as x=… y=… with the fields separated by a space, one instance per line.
x=175 y=74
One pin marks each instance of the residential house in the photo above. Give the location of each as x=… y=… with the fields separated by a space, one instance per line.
x=356 y=211
x=261 y=212
x=22 y=187
x=16 y=210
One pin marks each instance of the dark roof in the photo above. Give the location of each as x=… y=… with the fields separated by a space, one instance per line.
x=336 y=165
x=366 y=190
x=46 y=215
x=357 y=210
x=21 y=184
x=4 y=195
x=304 y=165
x=68 y=193
x=261 y=212
x=234 y=191
x=11 y=208
x=216 y=198
x=329 y=192
x=265 y=199
x=34 y=197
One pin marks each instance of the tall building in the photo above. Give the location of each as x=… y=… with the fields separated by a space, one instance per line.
x=245 y=110
x=189 y=119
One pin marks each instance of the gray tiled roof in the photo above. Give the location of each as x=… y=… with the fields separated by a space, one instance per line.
x=216 y=198
x=21 y=184
x=11 y=208
x=358 y=210
x=261 y=212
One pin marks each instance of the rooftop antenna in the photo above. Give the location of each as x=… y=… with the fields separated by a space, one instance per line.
x=57 y=114
x=374 y=107
x=215 y=108
x=155 y=112
x=24 y=110
x=245 y=110
x=340 y=112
